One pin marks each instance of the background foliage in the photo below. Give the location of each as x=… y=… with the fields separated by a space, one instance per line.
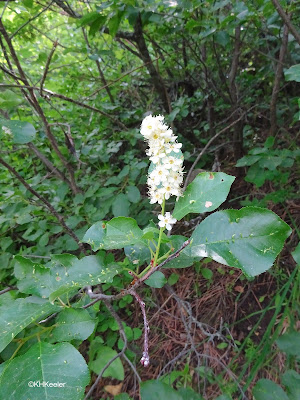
x=76 y=80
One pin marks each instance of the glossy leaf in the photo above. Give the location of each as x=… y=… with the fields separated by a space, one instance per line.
x=22 y=132
x=249 y=238
x=73 y=324
x=19 y=313
x=206 y=193
x=45 y=362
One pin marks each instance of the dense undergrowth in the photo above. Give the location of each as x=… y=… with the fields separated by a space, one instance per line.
x=81 y=76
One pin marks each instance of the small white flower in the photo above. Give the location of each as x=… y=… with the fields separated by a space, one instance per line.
x=173 y=147
x=166 y=221
x=172 y=163
x=165 y=179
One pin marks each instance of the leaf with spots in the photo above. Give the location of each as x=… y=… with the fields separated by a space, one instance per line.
x=117 y=233
x=94 y=235
x=249 y=239
x=64 y=274
x=53 y=364
x=90 y=270
x=206 y=193
x=73 y=324
x=19 y=313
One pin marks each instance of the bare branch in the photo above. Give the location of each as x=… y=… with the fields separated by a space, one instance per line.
x=47 y=65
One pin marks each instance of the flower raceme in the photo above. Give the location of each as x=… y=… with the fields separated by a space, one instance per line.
x=166 y=171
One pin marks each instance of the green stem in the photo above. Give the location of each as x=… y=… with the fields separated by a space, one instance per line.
x=158 y=244
x=160 y=235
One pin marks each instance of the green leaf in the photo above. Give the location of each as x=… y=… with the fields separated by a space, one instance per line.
x=73 y=324
x=19 y=313
x=121 y=232
x=296 y=254
x=207 y=273
x=249 y=238
x=9 y=99
x=64 y=274
x=45 y=362
x=159 y=391
x=222 y=37
x=290 y=343
x=21 y=131
x=189 y=394
x=185 y=258
x=266 y=390
x=90 y=270
x=173 y=278
x=94 y=236
x=206 y=193
x=88 y=19
x=120 y=206
x=104 y=355
x=293 y=73
x=96 y=25
x=291 y=381
x=156 y=280
x=133 y=194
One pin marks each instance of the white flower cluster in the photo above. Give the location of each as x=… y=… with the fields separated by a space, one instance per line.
x=165 y=178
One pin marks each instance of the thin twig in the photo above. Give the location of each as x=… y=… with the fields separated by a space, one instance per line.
x=47 y=204
x=62 y=97
x=120 y=354
x=47 y=65
x=31 y=19
x=145 y=360
x=101 y=296
x=286 y=20
x=8 y=289
x=209 y=143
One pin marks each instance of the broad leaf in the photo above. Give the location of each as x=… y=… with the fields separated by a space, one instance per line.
x=121 y=232
x=159 y=391
x=156 y=280
x=249 y=238
x=90 y=270
x=19 y=313
x=117 y=233
x=73 y=324
x=206 y=193
x=290 y=343
x=104 y=355
x=185 y=259
x=53 y=364
x=266 y=390
x=291 y=380
x=293 y=73
x=21 y=131
x=64 y=274
x=94 y=236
